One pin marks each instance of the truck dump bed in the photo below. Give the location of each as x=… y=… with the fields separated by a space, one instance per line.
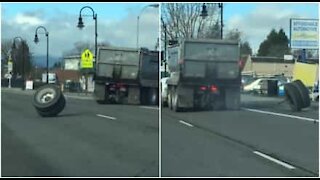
x=118 y=63
x=128 y=64
x=149 y=69
x=205 y=59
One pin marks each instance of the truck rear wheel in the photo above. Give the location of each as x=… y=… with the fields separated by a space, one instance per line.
x=153 y=96
x=169 y=99
x=144 y=96
x=293 y=96
x=232 y=98
x=175 y=102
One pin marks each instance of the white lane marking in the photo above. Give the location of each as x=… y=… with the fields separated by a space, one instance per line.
x=284 y=115
x=274 y=160
x=108 y=117
x=147 y=107
x=185 y=123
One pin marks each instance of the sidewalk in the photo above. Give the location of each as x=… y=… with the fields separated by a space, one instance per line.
x=82 y=95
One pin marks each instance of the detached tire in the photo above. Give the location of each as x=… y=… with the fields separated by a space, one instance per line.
x=55 y=110
x=49 y=100
x=304 y=93
x=293 y=96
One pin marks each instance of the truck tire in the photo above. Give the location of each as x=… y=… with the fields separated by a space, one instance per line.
x=153 y=96
x=304 y=93
x=232 y=98
x=55 y=110
x=169 y=99
x=175 y=102
x=293 y=96
x=219 y=103
x=46 y=97
x=144 y=96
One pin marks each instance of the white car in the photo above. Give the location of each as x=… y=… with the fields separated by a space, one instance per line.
x=164 y=91
x=315 y=93
x=255 y=86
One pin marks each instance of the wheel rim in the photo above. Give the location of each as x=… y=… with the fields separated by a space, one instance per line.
x=46 y=96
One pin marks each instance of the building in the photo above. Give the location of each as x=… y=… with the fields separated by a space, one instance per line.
x=268 y=66
x=72 y=73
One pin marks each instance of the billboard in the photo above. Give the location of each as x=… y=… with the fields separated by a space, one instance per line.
x=304 y=33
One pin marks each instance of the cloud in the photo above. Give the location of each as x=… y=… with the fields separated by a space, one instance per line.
x=257 y=24
x=63 y=31
x=29 y=19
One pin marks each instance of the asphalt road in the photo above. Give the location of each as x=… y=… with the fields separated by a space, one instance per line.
x=86 y=139
x=262 y=139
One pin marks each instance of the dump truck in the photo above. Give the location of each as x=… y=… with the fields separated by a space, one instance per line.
x=127 y=76
x=204 y=74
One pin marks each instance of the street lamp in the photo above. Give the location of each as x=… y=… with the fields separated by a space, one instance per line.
x=81 y=25
x=23 y=59
x=204 y=14
x=36 y=40
x=138 y=17
x=165 y=45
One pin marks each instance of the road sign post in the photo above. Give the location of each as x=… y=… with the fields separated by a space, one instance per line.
x=9 y=85
x=86 y=63
x=10 y=68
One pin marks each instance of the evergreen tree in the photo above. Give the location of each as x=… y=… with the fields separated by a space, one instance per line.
x=276 y=44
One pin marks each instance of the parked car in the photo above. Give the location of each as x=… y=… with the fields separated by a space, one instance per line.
x=254 y=87
x=246 y=79
x=315 y=93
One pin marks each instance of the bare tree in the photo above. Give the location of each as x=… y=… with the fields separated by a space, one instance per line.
x=21 y=59
x=5 y=49
x=80 y=46
x=183 y=20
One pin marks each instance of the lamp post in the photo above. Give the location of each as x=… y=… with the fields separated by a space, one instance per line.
x=81 y=25
x=165 y=45
x=36 y=40
x=204 y=14
x=138 y=18
x=23 y=58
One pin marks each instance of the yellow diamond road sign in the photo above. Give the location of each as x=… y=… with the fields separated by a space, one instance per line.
x=87 y=59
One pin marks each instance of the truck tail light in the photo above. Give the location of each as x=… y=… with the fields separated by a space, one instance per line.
x=203 y=88
x=213 y=88
x=121 y=87
x=180 y=61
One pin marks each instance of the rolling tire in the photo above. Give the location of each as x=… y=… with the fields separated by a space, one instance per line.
x=46 y=97
x=304 y=93
x=175 y=102
x=55 y=110
x=293 y=96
